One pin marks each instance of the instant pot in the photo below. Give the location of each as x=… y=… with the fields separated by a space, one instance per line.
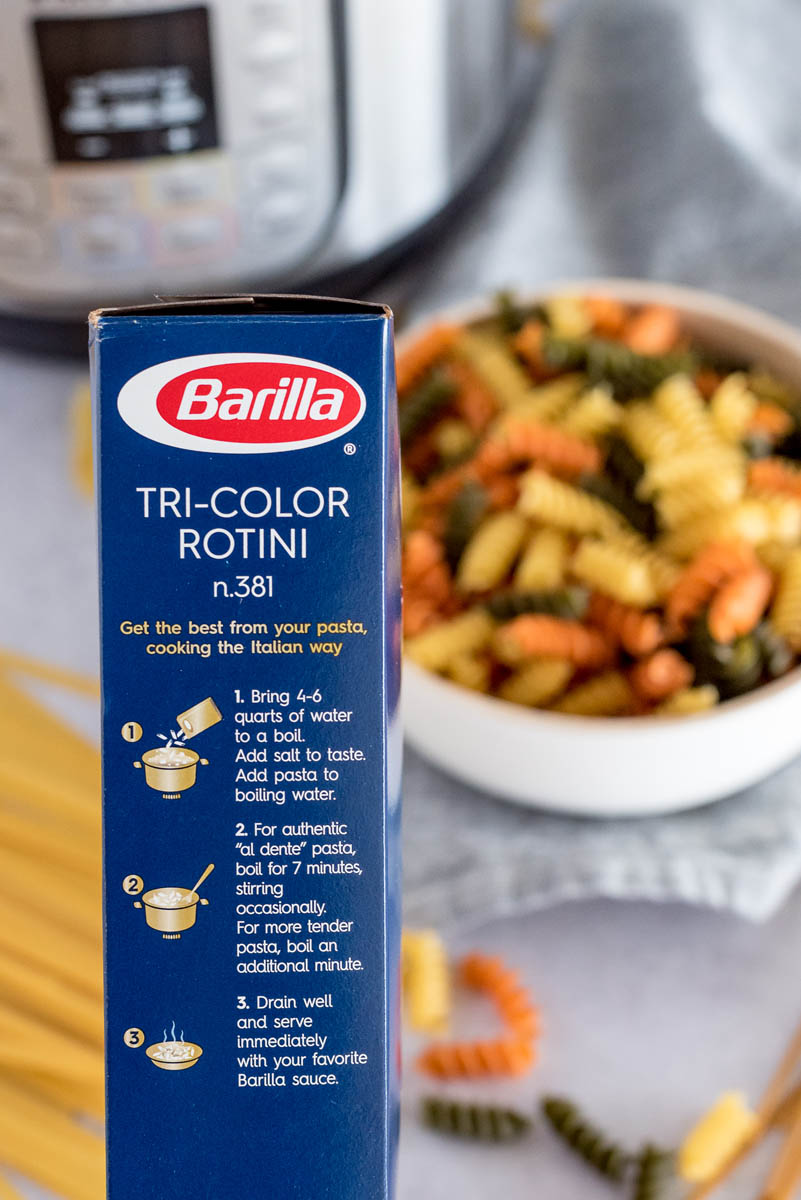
x=157 y=145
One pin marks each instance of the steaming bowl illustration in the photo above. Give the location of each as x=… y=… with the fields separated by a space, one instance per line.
x=174 y=1056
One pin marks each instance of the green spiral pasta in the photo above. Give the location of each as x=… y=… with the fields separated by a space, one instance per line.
x=628 y=374
x=477 y=1122
x=653 y=1172
x=465 y=514
x=640 y=514
x=734 y=668
x=592 y=1145
x=424 y=405
x=568 y=602
x=777 y=655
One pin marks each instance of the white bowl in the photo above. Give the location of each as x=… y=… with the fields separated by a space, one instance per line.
x=619 y=766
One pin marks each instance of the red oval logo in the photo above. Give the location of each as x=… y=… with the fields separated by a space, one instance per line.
x=260 y=402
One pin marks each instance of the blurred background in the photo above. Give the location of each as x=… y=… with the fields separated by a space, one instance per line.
x=423 y=153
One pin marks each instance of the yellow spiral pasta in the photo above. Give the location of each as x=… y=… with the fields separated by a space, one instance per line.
x=606 y=695
x=650 y=435
x=700 y=495
x=786 y=612
x=426 y=973
x=538 y=682
x=716 y=1138
x=497 y=370
x=615 y=571
x=667 y=473
x=690 y=700
x=436 y=648
x=568 y=316
x=471 y=671
x=543 y=561
x=491 y=552
x=555 y=503
x=732 y=407
x=593 y=415
x=682 y=406
x=544 y=402
x=754 y=519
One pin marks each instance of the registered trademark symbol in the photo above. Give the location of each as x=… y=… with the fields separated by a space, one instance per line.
x=350 y=448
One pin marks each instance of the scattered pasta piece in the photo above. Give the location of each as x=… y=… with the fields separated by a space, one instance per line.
x=476 y=1122
x=653 y=1173
x=426 y=981
x=477 y=1060
x=716 y=1138
x=593 y=1146
x=503 y=986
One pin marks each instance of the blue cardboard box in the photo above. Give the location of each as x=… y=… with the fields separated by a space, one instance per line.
x=249 y=552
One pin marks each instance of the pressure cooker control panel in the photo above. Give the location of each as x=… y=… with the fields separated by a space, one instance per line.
x=155 y=145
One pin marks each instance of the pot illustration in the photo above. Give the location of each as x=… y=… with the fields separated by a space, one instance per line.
x=174 y=1055
x=172 y=910
x=171 y=769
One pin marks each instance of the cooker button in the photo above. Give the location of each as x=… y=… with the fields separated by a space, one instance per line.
x=104 y=242
x=21 y=243
x=282 y=160
x=187 y=236
x=186 y=185
x=272 y=46
x=93 y=192
x=276 y=104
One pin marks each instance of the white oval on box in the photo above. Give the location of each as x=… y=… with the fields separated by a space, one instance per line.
x=241 y=403
x=619 y=766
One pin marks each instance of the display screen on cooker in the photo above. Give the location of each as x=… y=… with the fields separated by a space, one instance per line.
x=128 y=86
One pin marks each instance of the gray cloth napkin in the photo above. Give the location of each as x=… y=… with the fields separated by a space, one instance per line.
x=666 y=144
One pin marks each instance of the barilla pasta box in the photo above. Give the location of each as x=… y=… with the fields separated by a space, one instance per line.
x=247 y=466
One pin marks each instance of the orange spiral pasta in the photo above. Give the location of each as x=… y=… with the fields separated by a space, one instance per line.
x=698 y=582
x=427 y=581
x=474 y=1060
x=512 y=1000
x=638 y=632
x=503 y=492
x=489 y=461
x=552 y=637
x=774 y=475
x=474 y=403
x=608 y=315
x=740 y=603
x=528 y=343
x=653 y=330
x=771 y=420
x=421 y=355
x=547 y=446
x=660 y=675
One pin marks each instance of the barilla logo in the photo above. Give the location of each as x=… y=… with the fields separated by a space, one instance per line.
x=241 y=403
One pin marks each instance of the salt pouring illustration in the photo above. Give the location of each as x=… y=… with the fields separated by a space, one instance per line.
x=172 y=768
x=173 y=910
x=173 y=1053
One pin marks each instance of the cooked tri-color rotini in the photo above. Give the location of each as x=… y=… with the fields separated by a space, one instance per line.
x=602 y=516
